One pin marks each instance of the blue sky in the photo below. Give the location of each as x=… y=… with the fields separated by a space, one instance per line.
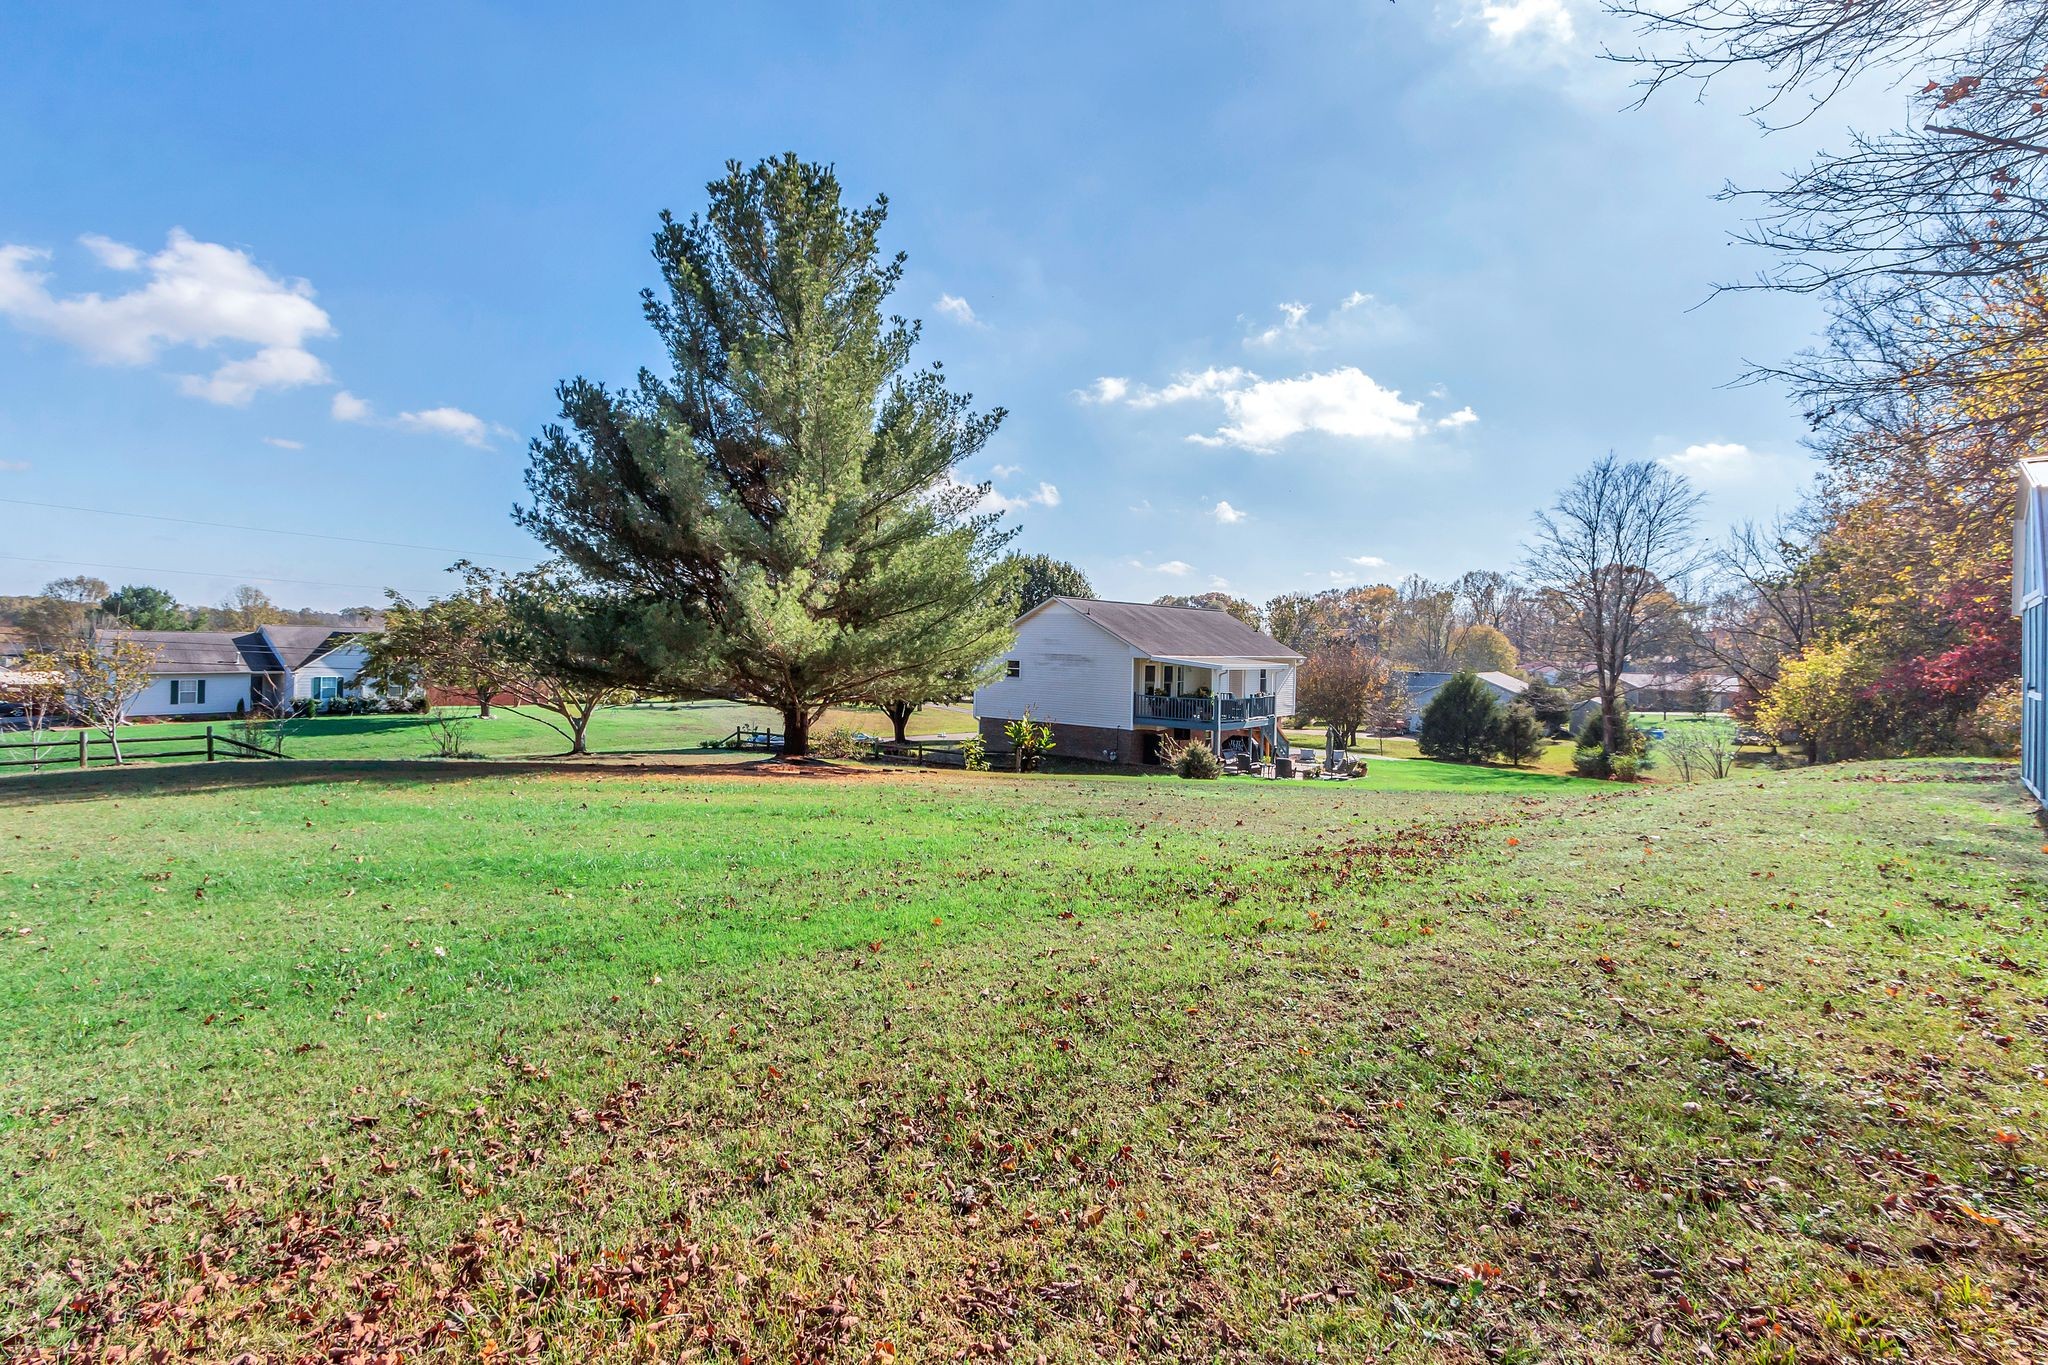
x=1277 y=297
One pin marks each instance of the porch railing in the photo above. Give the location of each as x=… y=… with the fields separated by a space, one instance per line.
x=1228 y=712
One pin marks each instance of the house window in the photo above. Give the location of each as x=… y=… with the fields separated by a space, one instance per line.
x=1151 y=679
x=324 y=687
x=1012 y=668
x=188 y=691
x=1263 y=689
x=1166 y=679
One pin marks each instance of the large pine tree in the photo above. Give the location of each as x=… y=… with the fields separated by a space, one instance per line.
x=782 y=509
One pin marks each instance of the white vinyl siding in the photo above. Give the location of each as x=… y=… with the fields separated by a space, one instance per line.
x=1069 y=671
x=223 y=691
x=341 y=665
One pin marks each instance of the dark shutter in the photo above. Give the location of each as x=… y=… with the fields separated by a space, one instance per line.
x=201 y=698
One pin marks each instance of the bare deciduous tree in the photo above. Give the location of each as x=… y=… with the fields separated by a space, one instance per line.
x=102 y=678
x=1931 y=241
x=1607 y=552
x=1767 y=605
x=1425 y=620
x=36 y=685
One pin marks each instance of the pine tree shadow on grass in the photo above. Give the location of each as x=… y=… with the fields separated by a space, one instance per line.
x=58 y=785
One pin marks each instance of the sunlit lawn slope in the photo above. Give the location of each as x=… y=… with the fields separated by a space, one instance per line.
x=636 y=1065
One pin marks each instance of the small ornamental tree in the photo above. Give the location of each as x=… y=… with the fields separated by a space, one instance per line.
x=1519 y=735
x=951 y=673
x=557 y=642
x=1030 y=742
x=1195 y=760
x=102 y=679
x=455 y=642
x=1461 y=720
x=36 y=685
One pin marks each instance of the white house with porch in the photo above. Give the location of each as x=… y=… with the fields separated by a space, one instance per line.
x=202 y=673
x=1120 y=681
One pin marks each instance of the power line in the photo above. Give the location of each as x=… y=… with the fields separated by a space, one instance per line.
x=192 y=573
x=260 y=530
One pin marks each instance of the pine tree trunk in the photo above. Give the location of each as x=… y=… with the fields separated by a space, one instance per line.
x=898 y=713
x=796 y=732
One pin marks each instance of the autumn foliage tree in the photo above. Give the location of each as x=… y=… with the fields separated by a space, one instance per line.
x=1346 y=688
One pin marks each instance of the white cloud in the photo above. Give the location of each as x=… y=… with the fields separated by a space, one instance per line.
x=112 y=254
x=1358 y=317
x=1188 y=385
x=198 y=295
x=1366 y=561
x=1172 y=568
x=13 y=466
x=1340 y=402
x=1263 y=413
x=1538 y=20
x=462 y=426
x=1226 y=514
x=465 y=427
x=1743 y=482
x=273 y=367
x=1717 y=462
x=958 y=309
x=283 y=444
x=1005 y=471
x=1045 y=495
x=1219 y=583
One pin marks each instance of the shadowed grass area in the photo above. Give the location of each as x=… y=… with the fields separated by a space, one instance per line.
x=578 y=1064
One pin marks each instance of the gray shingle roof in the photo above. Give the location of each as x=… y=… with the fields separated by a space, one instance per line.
x=297 y=646
x=202 y=651
x=1174 y=632
x=1419 y=682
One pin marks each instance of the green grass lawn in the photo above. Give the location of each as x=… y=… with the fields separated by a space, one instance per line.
x=514 y=733
x=1554 y=762
x=445 y=1062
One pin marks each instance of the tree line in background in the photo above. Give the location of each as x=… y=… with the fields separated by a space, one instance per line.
x=69 y=608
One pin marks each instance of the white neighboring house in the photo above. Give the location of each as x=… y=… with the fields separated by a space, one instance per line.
x=219 y=672
x=1119 y=681
x=2030 y=604
x=1423 y=687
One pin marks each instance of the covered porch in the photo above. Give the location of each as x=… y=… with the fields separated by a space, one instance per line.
x=1226 y=699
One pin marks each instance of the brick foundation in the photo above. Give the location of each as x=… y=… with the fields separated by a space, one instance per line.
x=1098 y=744
x=1094 y=743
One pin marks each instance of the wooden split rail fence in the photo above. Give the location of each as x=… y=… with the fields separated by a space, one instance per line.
x=89 y=747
